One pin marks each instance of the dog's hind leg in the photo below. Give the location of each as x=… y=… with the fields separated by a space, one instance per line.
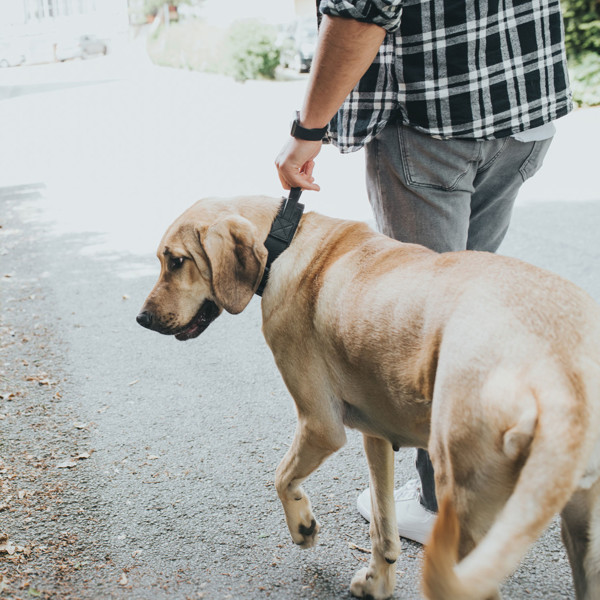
x=581 y=536
x=379 y=578
x=313 y=442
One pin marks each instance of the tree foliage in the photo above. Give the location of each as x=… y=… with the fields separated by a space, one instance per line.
x=582 y=26
x=252 y=50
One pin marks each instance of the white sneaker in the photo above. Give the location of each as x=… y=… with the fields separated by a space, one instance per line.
x=414 y=520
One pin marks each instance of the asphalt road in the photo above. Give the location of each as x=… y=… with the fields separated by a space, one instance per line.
x=136 y=466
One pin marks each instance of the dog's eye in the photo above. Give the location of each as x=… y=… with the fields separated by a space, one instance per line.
x=175 y=263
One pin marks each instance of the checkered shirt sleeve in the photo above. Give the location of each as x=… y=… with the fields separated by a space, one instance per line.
x=477 y=69
x=385 y=13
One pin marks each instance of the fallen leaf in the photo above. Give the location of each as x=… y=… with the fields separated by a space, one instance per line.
x=67 y=464
x=6 y=546
x=71 y=462
x=355 y=547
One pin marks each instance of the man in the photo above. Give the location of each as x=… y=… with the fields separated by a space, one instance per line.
x=453 y=101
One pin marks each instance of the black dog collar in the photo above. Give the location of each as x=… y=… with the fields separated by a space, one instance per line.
x=282 y=231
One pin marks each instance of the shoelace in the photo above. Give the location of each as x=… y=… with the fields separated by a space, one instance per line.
x=408 y=491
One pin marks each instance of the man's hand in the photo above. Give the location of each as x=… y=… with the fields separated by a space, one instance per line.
x=345 y=50
x=295 y=164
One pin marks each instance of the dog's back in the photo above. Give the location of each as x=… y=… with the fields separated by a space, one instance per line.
x=402 y=331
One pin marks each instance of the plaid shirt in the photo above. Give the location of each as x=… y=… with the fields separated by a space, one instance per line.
x=478 y=69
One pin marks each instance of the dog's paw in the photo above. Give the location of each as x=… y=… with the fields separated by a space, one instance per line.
x=302 y=524
x=369 y=584
x=307 y=536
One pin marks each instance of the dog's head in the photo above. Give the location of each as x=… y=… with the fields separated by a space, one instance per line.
x=211 y=258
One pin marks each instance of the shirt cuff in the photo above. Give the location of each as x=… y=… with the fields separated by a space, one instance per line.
x=385 y=13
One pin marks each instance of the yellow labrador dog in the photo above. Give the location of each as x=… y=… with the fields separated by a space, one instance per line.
x=490 y=363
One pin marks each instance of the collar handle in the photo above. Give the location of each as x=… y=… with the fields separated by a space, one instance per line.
x=282 y=231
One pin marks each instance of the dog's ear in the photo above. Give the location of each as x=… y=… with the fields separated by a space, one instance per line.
x=237 y=261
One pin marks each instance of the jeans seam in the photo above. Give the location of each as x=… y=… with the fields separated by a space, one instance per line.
x=523 y=167
x=492 y=160
x=378 y=171
x=377 y=210
x=404 y=160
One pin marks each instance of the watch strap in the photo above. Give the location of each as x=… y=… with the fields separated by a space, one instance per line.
x=303 y=133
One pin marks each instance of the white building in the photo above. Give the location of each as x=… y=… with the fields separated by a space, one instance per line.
x=37 y=25
x=270 y=11
x=112 y=14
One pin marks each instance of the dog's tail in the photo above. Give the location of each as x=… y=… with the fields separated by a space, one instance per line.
x=556 y=440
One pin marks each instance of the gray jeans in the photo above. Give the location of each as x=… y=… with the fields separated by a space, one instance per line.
x=447 y=195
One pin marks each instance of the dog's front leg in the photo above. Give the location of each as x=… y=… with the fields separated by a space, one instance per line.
x=379 y=578
x=312 y=444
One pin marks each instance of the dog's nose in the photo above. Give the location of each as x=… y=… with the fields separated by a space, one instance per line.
x=145 y=319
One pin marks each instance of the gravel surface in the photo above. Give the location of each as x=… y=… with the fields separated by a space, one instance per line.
x=135 y=466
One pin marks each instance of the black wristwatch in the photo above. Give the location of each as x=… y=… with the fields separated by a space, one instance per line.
x=302 y=133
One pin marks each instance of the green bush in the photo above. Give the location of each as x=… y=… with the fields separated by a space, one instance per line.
x=190 y=44
x=246 y=51
x=584 y=73
x=252 y=52
x=582 y=26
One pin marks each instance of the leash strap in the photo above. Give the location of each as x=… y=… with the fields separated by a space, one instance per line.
x=282 y=231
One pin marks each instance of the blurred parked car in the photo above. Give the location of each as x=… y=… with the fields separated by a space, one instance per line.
x=92 y=45
x=83 y=47
x=10 y=55
x=297 y=45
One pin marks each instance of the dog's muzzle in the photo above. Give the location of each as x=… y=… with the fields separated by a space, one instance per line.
x=207 y=313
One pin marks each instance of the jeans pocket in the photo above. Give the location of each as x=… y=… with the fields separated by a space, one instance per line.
x=535 y=158
x=435 y=163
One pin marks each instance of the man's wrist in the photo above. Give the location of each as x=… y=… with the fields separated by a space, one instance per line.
x=300 y=131
x=310 y=121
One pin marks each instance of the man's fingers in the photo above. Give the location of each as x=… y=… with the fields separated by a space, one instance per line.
x=298 y=180
x=295 y=164
x=302 y=180
x=308 y=168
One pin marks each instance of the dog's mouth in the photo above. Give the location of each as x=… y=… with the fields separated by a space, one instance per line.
x=208 y=312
